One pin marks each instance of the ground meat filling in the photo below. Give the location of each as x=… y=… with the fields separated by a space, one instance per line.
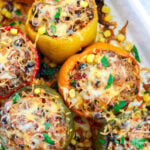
x=17 y=61
x=34 y=121
x=61 y=18
x=98 y=86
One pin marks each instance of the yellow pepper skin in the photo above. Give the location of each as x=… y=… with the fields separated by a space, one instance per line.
x=58 y=49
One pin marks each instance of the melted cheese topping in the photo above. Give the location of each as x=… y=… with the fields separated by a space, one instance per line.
x=22 y=125
x=134 y=126
x=61 y=18
x=90 y=83
x=17 y=62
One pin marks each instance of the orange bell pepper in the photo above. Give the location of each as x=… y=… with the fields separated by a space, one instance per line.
x=60 y=48
x=69 y=65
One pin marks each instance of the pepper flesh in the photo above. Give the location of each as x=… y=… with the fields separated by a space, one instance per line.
x=64 y=79
x=60 y=48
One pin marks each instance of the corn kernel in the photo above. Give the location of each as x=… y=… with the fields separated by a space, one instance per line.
x=129 y=46
x=73 y=142
x=72 y=93
x=90 y=58
x=107 y=33
x=1 y=4
x=102 y=39
x=120 y=37
x=8 y=15
x=53 y=65
x=17 y=5
x=41 y=30
x=13 y=31
x=81 y=144
x=37 y=91
x=105 y=9
x=4 y=10
x=84 y=4
x=146 y=98
x=108 y=18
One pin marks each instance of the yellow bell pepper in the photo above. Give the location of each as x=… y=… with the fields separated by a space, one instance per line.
x=58 y=49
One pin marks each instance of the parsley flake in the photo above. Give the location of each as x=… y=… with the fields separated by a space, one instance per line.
x=16 y=98
x=110 y=81
x=47 y=125
x=53 y=29
x=3 y=147
x=105 y=62
x=122 y=140
x=135 y=53
x=13 y=24
x=138 y=143
x=18 y=12
x=119 y=106
x=101 y=141
x=58 y=13
x=47 y=139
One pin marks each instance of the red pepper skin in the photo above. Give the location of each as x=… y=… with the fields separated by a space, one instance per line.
x=36 y=60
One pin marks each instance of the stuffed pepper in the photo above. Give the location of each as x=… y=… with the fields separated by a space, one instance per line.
x=18 y=61
x=35 y=118
x=129 y=131
x=97 y=80
x=62 y=28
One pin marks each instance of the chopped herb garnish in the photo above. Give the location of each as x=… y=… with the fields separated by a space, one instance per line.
x=146 y=92
x=53 y=29
x=47 y=125
x=56 y=0
x=122 y=140
x=138 y=143
x=135 y=53
x=101 y=141
x=46 y=33
x=47 y=139
x=13 y=24
x=16 y=98
x=20 y=22
x=116 y=142
x=105 y=62
x=69 y=75
x=18 y=12
x=110 y=81
x=2 y=147
x=119 y=106
x=58 y=13
x=139 y=126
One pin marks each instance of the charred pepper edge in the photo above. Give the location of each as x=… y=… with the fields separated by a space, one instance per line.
x=36 y=60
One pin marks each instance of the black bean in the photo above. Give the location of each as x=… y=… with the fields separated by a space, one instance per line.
x=112 y=138
x=22 y=147
x=97 y=83
x=77 y=138
x=136 y=90
x=90 y=16
x=67 y=18
x=74 y=83
x=4 y=120
x=9 y=7
x=78 y=12
x=82 y=66
x=29 y=65
x=19 y=42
